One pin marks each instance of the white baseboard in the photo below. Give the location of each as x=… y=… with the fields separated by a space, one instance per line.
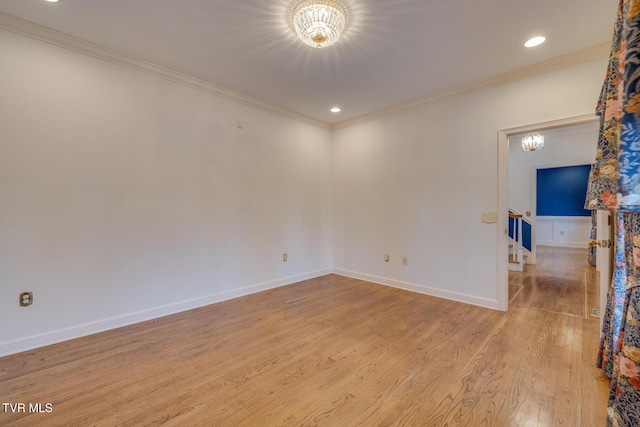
x=421 y=289
x=53 y=337
x=579 y=245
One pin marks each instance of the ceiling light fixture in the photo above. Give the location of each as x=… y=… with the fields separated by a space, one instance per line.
x=319 y=23
x=533 y=142
x=536 y=41
x=336 y=110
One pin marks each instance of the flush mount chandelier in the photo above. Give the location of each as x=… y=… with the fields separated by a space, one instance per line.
x=533 y=142
x=319 y=23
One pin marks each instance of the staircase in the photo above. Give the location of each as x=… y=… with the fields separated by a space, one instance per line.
x=517 y=260
x=520 y=235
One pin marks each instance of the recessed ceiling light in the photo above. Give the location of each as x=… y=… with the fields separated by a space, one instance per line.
x=336 y=110
x=52 y=1
x=536 y=41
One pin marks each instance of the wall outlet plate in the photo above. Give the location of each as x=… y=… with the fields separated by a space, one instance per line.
x=26 y=299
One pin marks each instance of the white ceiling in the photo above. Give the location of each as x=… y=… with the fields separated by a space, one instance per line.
x=392 y=52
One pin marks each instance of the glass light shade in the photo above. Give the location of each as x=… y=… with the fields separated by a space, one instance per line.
x=532 y=142
x=319 y=23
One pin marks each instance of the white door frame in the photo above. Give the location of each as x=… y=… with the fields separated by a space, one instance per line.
x=604 y=256
x=503 y=194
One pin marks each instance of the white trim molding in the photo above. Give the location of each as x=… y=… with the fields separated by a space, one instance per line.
x=595 y=52
x=421 y=289
x=77 y=331
x=58 y=38
x=503 y=194
x=563 y=231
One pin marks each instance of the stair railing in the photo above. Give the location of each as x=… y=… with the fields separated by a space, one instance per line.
x=517 y=236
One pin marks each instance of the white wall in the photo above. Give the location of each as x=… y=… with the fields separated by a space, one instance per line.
x=566 y=231
x=570 y=146
x=415 y=184
x=124 y=196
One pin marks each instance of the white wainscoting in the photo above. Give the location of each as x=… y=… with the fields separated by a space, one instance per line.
x=567 y=231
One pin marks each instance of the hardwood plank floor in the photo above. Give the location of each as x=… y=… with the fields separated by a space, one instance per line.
x=331 y=351
x=561 y=281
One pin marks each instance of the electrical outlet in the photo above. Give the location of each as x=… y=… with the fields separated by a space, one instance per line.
x=285 y=257
x=562 y=233
x=386 y=257
x=405 y=260
x=26 y=299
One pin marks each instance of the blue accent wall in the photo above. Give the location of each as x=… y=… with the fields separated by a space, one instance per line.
x=561 y=191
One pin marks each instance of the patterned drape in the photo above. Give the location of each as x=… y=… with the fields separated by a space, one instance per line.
x=603 y=179
x=614 y=184
x=614 y=310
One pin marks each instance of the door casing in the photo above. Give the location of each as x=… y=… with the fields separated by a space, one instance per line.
x=503 y=195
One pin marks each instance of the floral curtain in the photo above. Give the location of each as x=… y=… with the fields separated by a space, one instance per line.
x=614 y=310
x=614 y=184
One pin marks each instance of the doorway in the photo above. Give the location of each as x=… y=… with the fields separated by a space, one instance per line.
x=553 y=127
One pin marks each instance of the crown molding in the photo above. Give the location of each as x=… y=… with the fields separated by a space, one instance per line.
x=588 y=54
x=561 y=126
x=67 y=41
x=58 y=38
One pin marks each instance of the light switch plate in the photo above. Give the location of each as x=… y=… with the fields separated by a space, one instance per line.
x=489 y=217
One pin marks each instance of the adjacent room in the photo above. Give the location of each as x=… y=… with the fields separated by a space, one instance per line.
x=297 y=212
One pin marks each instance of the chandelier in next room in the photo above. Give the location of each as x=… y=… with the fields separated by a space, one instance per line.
x=533 y=142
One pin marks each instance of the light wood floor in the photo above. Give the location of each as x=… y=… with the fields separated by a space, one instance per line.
x=330 y=351
x=561 y=281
